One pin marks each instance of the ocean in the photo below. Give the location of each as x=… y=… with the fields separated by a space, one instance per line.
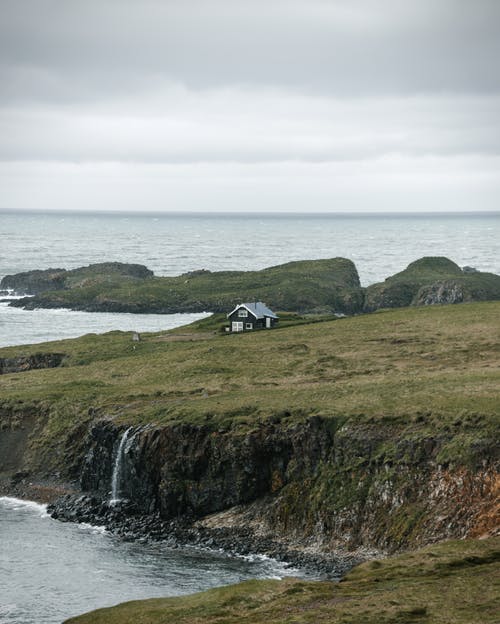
x=50 y=570
x=379 y=245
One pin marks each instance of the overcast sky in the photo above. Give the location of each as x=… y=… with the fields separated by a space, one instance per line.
x=261 y=105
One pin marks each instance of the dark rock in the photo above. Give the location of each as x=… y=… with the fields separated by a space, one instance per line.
x=40 y=281
x=29 y=362
x=429 y=281
x=187 y=469
x=19 y=476
x=34 y=282
x=448 y=291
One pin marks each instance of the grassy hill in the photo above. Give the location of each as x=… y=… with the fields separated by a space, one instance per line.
x=314 y=286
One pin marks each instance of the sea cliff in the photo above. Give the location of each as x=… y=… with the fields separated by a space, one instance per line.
x=323 y=484
x=373 y=433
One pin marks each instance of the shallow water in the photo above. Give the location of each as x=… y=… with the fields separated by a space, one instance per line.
x=50 y=571
x=18 y=326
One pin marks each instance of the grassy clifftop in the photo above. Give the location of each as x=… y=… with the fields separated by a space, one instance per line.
x=451 y=583
x=433 y=368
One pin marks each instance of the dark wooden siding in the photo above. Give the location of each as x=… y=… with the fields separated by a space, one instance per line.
x=256 y=323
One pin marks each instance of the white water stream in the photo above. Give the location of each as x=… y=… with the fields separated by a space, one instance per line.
x=116 y=479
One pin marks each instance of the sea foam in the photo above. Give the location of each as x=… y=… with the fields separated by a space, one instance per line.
x=19 y=504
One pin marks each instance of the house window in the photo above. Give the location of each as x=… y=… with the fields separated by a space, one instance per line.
x=248 y=326
x=236 y=326
x=242 y=313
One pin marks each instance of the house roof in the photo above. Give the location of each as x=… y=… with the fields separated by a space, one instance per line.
x=257 y=308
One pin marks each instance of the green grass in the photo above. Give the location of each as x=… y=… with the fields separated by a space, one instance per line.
x=450 y=583
x=396 y=364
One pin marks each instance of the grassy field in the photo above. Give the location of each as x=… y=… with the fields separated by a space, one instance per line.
x=449 y=583
x=442 y=362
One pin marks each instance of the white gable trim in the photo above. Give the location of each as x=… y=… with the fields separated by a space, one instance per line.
x=242 y=305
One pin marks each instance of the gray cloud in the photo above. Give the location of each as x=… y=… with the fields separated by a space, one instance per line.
x=362 y=98
x=54 y=49
x=252 y=126
x=388 y=184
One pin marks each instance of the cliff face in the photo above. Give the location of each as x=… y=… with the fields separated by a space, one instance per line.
x=194 y=470
x=314 y=482
x=323 y=482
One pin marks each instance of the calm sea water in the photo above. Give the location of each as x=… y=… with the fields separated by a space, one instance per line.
x=50 y=571
x=380 y=245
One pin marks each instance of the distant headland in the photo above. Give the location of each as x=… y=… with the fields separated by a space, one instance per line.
x=308 y=286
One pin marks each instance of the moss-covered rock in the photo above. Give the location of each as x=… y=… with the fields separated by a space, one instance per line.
x=432 y=280
x=309 y=285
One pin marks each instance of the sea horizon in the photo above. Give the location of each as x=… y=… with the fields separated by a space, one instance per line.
x=253 y=213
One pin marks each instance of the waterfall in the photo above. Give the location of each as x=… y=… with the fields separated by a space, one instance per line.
x=116 y=479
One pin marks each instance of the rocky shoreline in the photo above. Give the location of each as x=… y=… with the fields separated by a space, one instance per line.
x=44 y=492
x=66 y=503
x=124 y=520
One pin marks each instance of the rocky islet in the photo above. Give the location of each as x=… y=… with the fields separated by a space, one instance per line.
x=311 y=286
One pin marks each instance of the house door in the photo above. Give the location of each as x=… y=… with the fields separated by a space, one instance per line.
x=237 y=326
x=268 y=322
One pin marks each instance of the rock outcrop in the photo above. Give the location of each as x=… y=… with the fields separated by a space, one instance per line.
x=429 y=281
x=195 y=470
x=34 y=282
x=308 y=286
x=40 y=281
x=30 y=362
